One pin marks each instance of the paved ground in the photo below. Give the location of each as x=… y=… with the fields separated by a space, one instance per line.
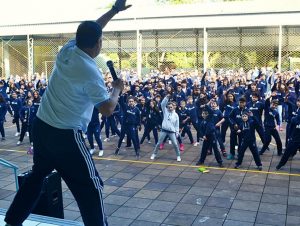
x=165 y=192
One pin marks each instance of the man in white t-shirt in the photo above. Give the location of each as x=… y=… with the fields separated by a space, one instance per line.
x=75 y=87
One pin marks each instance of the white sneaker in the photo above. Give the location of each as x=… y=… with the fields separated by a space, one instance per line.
x=170 y=142
x=17 y=134
x=31 y=143
x=101 y=153
x=149 y=142
x=106 y=139
x=92 y=151
x=196 y=144
x=84 y=136
x=19 y=142
x=27 y=134
x=123 y=141
x=178 y=159
x=153 y=156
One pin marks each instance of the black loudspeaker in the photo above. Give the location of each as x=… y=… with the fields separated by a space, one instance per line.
x=50 y=202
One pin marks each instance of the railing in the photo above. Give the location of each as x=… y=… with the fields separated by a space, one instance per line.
x=11 y=166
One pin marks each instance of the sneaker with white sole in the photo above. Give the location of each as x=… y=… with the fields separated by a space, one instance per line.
x=170 y=142
x=100 y=153
x=153 y=156
x=196 y=144
x=27 y=134
x=92 y=151
x=149 y=142
x=123 y=141
x=19 y=142
x=106 y=139
x=17 y=134
x=178 y=159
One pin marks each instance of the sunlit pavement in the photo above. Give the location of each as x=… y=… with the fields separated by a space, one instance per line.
x=165 y=192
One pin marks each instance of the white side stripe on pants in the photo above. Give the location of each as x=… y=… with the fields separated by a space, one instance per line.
x=88 y=159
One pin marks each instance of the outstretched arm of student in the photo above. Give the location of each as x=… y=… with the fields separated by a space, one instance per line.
x=120 y=5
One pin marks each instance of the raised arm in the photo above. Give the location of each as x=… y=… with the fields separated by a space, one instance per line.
x=120 y=5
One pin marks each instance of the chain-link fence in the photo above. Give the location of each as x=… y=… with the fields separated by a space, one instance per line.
x=229 y=48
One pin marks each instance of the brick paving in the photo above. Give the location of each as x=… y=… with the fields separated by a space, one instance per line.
x=164 y=192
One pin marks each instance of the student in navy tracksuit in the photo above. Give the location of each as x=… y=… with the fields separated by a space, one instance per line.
x=36 y=100
x=3 y=110
x=294 y=141
x=131 y=122
x=293 y=110
x=227 y=106
x=271 y=115
x=142 y=106
x=235 y=118
x=193 y=116
x=246 y=129
x=207 y=130
x=153 y=121
x=15 y=105
x=110 y=123
x=27 y=115
x=94 y=130
x=218 y=119
x=184 y=122
x=257 y=107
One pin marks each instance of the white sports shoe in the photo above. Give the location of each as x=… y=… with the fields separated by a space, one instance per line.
x=106 y=139
x=100 y=153
x=178 y=159
x=153 y=156
x=149 y=142
x=170 y=142
x=19 y=142
x=27 y=134
x=196 y=144
x=92 y=151
x=17 y=134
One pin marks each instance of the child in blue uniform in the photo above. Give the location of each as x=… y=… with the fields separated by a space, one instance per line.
x=131 y=122
x=271 y=115
x=94 y=130
x=293 y=143
x=208 y=135
x=27 y=115
x=3 y=110
x=247 y=133
x=15 y=105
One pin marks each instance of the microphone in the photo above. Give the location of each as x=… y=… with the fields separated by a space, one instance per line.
x=113 y=73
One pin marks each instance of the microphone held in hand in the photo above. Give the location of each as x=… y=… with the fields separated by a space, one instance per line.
x=113 y=73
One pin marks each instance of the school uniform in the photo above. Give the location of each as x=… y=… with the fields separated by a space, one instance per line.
x=248 y=140
x=15 y=106
x=207 y=129
x=294 y=141
x=3 y=110
x=191 y=108
x=94 y=130
x=270 y=128
x=131 y=121
x=153 y=120
x=257 y=109
x=185 y=126
x=27 y=115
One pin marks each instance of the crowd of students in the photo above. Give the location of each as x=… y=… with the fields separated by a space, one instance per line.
x=175 y=103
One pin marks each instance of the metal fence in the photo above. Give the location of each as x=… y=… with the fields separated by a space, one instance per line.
x=190 y=49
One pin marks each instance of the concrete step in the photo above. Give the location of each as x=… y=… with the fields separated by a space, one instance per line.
x=38 y=220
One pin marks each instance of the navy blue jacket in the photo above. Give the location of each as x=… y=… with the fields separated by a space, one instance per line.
x=207 y=128
x=27 y=114
x=270 y=116
x=295 y=129
x=183 y=114
x=235 y=116
x=217 y=116
x=153 y=117
x=3 y=110
x=257 y=110
x=15 y=106
x=192 y=112
x=248 y=129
